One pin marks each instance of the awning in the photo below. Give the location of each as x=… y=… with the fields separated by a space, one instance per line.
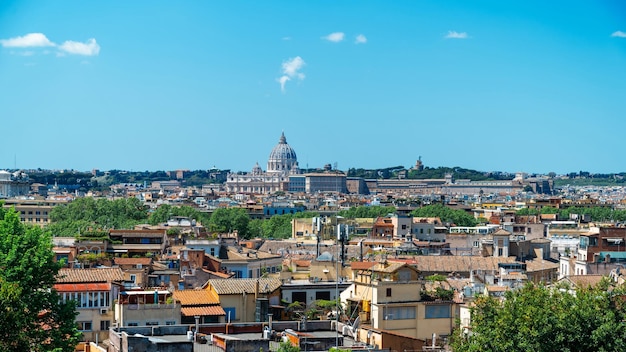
x=613 y=255
x=130 y=293
x=101 y=286
x=202 y=311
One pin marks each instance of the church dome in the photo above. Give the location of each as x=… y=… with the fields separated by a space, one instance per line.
x=282 y=158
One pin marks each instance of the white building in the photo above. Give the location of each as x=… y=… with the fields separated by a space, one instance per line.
x=281 y=163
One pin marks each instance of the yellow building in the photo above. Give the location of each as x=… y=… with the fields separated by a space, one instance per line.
x=391 y=298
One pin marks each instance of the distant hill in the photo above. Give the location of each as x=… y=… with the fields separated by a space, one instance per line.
x=430 y=173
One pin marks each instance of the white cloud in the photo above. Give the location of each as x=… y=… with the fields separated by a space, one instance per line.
x=360 y=39
x=90 y=48
x=619 y=34
x=456 y=35
x=27 y=41
x=33 y=40
x=291 y=70
x=335 y=37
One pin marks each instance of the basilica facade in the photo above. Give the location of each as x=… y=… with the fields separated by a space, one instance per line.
x=281 y=164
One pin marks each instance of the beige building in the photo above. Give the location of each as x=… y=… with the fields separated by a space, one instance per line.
x=33 y=211
x=247 y=300
x=147 y=308
x=389 y=297
x=94 y=291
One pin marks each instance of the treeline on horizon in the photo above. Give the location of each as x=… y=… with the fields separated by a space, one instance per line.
x=84 y=181
x=89 y=217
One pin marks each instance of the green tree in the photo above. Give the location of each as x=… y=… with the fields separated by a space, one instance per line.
x=367 y=212
x=286 y=346
x=549 y=210
x=539 y=318
x=278 y=226
x=84 y=213
x=32 y=316
x=230 y=219
x=527 y=211
x=165 y=211
x=446 y=214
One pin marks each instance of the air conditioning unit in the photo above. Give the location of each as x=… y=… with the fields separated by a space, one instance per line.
x=103 y=311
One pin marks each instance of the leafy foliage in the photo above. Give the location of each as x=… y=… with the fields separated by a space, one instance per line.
x=230 y=219
x=458 y=173
x=527 y=212
x=278 y=226
x=165 y=211
x=446 y=214
x=597 y=213
x=367 y=212
x=84 y=213
x=538 y=318
x=287 y=347
x=32 y=318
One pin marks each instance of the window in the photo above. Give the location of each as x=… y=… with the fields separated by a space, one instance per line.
x=133 y=324
x=105 y=325
x=437 y=311
x=133 y=278
x=152 y=323
x=389 y=292
x=84 y=325
x=170 y=322
x=398 y=313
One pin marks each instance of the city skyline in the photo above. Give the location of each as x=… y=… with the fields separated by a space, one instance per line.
x=532 y=86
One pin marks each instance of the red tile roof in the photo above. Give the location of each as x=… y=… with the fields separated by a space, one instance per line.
x=82 y=287
x=361 y=265
x=132 y=261
x=195 y=297
x=205 y=310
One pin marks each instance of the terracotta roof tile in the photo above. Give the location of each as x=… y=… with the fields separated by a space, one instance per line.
x=454 y=263
x=82 y=287
x=202 y=311
x=361 y=265
x=132 y=261
x=90 y=275
x=195 y=297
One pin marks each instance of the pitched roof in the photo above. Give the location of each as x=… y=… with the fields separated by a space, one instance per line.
x=361 y=265
x=101 y=286
x=239 y=286
x=458 y=263
x=138 y=233
x=205 y=310
x=583 y=281
x=195 y=297
x=90 y=275
x=132 y=261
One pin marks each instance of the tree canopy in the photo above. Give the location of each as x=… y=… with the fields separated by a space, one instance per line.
x=230 y=219
x=538 y=318
x=32 y=317
x=83 y=213
x=446 y=214
x=165 y=211
x=367 y=212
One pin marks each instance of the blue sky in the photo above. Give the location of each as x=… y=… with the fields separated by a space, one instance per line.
x=534 y=86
